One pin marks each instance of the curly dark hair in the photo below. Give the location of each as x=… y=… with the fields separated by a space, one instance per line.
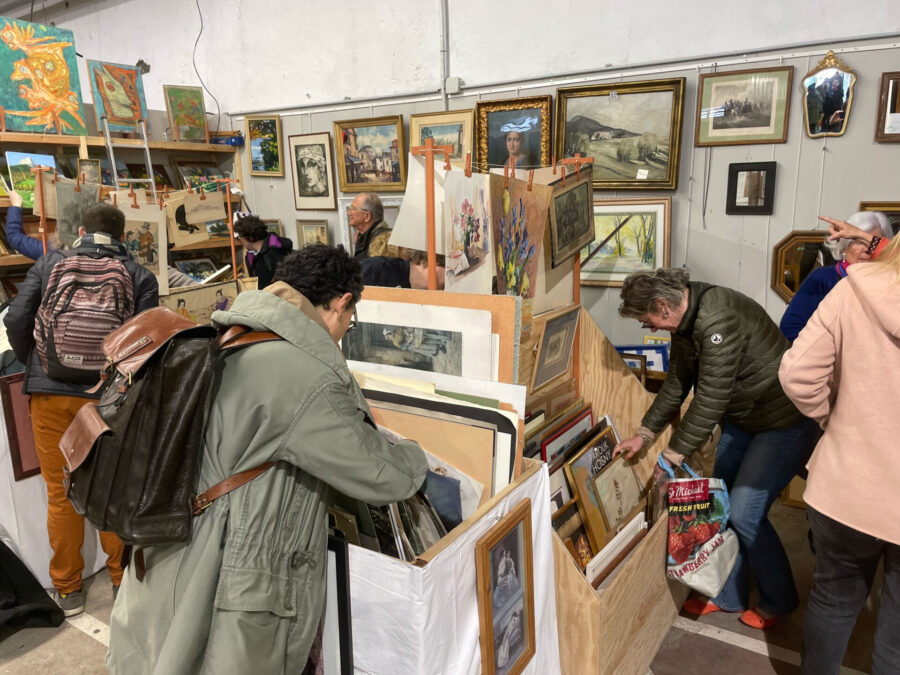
x=251 y=228
x=104 y=218
x=321 y=273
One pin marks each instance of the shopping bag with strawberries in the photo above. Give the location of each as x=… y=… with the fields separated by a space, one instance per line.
x=701 y=550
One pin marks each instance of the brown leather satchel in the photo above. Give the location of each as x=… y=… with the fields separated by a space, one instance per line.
x=132 y=457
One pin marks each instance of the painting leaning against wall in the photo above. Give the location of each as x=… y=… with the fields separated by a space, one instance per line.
x=630 y=235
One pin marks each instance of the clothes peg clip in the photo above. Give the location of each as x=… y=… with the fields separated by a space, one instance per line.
x=159 y=200
x=563 y=174
x=506 y=177
x=115 y=199
x=77 y=186
x=202 y=194
x=55 y=178
x=468 y=169
x=553 y=163
x=190 y=188
x=447 y=166
x=134 y=203
x=530 y=179
x=512 y=167
x=166 y=192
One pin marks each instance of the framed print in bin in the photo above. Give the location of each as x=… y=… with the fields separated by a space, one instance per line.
x=630 y=235
x=312 y=232
x=18 y=427
x=563 y=439
x=890 y=209
x=887 y=123
x=571 y=218
x=513 y=128
x=264 y=145
x=455 y=127
x=631 y=129
x=555 y=347
x=587 y=462
x=503 y=569
x=743 y=107
x=618 y=491
x=751 y=189
x=187 y=113
x=312 y=169
x=657 y=355
x=372 y=154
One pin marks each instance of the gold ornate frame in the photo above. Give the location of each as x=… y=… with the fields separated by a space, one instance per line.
x=464 y=117
x=374 y=186
x=779 y=254
x=484 y=108
x=829 y=62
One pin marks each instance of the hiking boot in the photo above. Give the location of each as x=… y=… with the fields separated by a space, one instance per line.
x=70 y=603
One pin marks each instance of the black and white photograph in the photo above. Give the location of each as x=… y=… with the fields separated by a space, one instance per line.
x=509 y=636
x=438 y=351
x=312 y=171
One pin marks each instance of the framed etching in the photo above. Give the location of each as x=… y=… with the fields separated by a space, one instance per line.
x=455 y=127
x=264 y=145
x=743 y=107
x=631 y=129
x=571 y=218
x=513 y=129
x=373 y=154
x=312 y=169
x=89 y=170
x=887 y=122
x=827 y=96
x=555 y=347
x=618 y=491
x=751 y=189
x=118 y=92
x=503 y=568
x=630 y=235
x=18 y=427
x=312 y=232
x=187 y=113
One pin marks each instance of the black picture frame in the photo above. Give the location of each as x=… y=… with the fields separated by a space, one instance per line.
x=746 y=178
x=339 y=548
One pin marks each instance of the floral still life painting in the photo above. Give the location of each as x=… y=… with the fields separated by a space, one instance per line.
x=467 y=232
x=39 y=87
x=519 y=218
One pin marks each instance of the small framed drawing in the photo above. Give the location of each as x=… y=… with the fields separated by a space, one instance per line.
x=187 y=113
x=571 y=218
x=630 y=235
x=446 y=128
x=312 y=232
x=657 y=355
x=887 y=123
x=618 y=491
x=751 y=189
x=513 y=129
x=264 y=145
x=89 y=170
x=503 y=569
x=18 y=427
x=555 y=346
x=372 y=154
x=274 y=226
x=313 y=171
x=587 y=462
x=743 y=107
x=556 y=444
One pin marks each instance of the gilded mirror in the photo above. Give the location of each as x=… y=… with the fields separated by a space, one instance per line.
x=827 y=95
x=794 y=257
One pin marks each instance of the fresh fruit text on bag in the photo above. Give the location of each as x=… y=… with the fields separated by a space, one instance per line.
x=701 y=551
x=86 y=299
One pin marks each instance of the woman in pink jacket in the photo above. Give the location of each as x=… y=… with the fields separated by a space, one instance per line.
x=844 y=371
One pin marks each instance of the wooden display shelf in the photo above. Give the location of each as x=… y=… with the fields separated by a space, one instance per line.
x=98 y=141
x=16 y=260
x=218 y=242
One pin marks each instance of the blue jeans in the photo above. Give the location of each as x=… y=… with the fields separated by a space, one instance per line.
x=756 y=468
x=846 y=561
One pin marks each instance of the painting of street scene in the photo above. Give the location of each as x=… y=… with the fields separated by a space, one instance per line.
x=438 y=351
x=372 y=155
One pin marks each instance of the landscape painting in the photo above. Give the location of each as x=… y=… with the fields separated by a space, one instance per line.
x=39 y=87
x=21 y=179
x=372 y=155
x=264 y=143
x=454 y=128
x=118 y=93
x=630 y=235
x=631 y=129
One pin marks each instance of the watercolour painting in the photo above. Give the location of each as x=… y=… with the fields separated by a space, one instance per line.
x=470 y=265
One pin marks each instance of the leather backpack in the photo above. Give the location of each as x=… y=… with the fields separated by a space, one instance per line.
x=132 y=457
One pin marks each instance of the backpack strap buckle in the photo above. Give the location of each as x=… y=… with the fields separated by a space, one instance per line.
x=205 y=499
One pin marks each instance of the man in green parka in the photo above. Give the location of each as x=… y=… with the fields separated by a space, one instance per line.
x=246 y=593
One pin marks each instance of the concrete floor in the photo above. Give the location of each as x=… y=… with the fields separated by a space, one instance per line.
x=714 y=644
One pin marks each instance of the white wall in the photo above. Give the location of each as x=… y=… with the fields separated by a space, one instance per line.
x=303 y=56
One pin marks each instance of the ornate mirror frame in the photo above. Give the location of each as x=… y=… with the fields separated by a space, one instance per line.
x=783 y=273
x=820 y=97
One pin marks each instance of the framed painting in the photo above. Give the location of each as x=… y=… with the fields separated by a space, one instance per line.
x=19 y=431
x=312 y=232
x=274 y=226
x=187 y=113
x=197 y=268
x=160 y=175
x=313 y=171
x=21 y=179
x=199 y=175
x=118 y=93
x=348 y=234
x=559 y=442
x=31 y=101
x=618 y=491
x=657 y=356
x=630 y=235
x=555 y=347
x=513 y=129
x=455 y=127
x=827 y=97
x=89 y=170
x=505 y=579
x=631 y=129
x=571 y=218
x=743 y=107
x=890 y=209
x=373 y=154
x=587 y=462
x=264 y=145
x=751 y=189
x=887 y=121
x=197 y=303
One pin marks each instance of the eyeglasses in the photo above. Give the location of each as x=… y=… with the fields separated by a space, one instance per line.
x=353 y=322
x=356 y=208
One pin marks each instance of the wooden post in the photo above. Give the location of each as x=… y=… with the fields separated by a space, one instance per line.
x=224 y=183
x=38 y=171
x=429 y=150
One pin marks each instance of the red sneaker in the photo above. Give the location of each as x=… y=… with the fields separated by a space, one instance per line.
x=754 y=619
x=699 y=607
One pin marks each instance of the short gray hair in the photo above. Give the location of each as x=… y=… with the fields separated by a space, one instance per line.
x=870 y=221
x=372 y=204
x=641 y=290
